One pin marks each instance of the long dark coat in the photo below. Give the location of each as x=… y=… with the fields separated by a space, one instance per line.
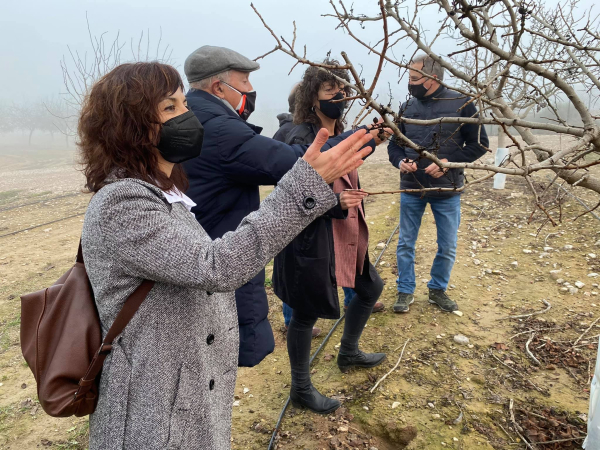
x=304 y=271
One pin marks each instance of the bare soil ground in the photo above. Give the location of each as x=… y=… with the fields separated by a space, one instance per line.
x=443 y=394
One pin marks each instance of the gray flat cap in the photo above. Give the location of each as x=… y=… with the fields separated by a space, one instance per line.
x=208 y=61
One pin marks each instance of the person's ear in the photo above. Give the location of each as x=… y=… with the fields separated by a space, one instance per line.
x=316 y=100
x=217 y=89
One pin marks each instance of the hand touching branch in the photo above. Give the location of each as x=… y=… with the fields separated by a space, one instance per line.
x=352 y=198
x=338 y=160
x=436 y=171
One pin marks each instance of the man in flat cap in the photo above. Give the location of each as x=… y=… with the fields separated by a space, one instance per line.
x=234 y=162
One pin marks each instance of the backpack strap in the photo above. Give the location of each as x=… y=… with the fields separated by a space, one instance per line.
x=125 y=315
x=128 y=311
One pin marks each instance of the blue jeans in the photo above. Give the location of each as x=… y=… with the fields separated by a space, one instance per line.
x=287 y=314
x=446 y=211
x=349 y=294
x=287 y=311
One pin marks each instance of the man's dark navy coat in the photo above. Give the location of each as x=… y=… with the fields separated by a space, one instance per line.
x=224 y=181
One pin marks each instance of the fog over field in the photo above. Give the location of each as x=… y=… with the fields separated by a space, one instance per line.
x=36 y=35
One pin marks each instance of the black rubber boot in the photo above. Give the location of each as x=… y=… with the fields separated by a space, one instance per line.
x=361 y=359
x=313 y=400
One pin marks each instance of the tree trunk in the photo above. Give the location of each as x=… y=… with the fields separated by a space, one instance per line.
x=31 y=134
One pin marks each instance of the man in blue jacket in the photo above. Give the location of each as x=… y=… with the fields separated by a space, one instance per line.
x=452 y=143
x=234 y=162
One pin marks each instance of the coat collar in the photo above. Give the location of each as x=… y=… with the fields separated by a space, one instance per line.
x=222 y=108
x=439 y=93
x=114 y=178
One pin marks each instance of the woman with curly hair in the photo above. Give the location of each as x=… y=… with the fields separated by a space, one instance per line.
x=332 y=251
x=169 y=378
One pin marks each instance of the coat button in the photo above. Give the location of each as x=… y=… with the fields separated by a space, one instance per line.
x=209 y=293
x=309 y=202
x=211 y=384
x=210 y=339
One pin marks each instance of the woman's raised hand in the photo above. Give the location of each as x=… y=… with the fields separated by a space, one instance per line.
x=339 y=160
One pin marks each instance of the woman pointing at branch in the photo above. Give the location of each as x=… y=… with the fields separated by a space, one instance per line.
x=168 y=381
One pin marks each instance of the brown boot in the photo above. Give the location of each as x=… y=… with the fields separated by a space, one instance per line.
x=377 y=307
x=315 y=331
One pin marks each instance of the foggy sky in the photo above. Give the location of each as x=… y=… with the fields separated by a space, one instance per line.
x=34 y=36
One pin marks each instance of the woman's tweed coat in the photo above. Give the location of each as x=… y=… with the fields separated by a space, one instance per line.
x=168 y=382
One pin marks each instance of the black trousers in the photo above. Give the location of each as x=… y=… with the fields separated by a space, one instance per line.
x=299 y=334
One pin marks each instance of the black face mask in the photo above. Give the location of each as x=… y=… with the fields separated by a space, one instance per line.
x=333 y=110
x=181 y=138
x=247 y=103
x=417 y=90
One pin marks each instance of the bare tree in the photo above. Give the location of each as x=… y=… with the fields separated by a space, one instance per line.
x=82 y=69
x=27 y=117
x=60 y=117
x=6 y=119
x=520 y=57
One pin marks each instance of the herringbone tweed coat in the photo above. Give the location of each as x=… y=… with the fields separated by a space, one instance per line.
x=168 y=382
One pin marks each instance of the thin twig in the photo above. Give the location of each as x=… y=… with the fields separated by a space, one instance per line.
x=533 y=358
x=582 y=334
x=570 y=372
x=522 y=316
x=506 y=432
x=561 y=440
x=393 y=368
x=518 y=373
x=512 y=418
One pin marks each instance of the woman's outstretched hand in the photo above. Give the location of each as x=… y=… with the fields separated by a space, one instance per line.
x=339 y=160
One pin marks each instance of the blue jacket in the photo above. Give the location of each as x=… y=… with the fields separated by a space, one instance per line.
x=224 y=182
x=449 y=140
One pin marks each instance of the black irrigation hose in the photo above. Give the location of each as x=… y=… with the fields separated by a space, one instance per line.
x=39 y=201
x=335 y=325
x=41 y=225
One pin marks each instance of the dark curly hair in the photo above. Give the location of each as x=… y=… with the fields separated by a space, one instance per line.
x=308 y=91
x=118 y=126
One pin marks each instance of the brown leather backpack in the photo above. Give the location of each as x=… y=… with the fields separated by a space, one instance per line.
x=61 y=340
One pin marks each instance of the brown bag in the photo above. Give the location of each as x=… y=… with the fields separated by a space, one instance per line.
x=61 y=340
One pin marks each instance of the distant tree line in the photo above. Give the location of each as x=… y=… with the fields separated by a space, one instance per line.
x=44 y=116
